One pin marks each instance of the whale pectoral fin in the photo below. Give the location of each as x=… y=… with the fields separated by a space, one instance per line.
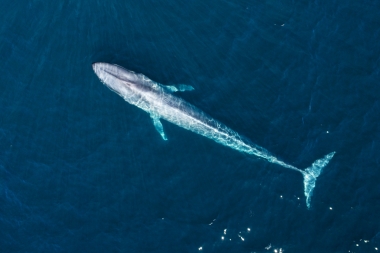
x=179 y=87
x=171 y=88
x=184 y=87
x=158 y=125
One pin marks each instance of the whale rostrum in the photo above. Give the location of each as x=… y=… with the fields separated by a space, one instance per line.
x=158 y=100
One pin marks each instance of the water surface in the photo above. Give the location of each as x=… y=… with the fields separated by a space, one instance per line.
x=83 y=171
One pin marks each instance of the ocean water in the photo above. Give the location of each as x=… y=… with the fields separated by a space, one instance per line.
x=81 y=170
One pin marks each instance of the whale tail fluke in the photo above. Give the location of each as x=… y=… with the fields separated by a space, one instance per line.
x=311 y=174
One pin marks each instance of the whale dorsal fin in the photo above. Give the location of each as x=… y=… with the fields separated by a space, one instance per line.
x=179 y=87
x=158 y=125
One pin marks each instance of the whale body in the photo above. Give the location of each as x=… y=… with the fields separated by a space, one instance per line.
x=158 y=100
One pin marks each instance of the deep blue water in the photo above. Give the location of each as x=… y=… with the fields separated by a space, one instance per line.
x=83 y=171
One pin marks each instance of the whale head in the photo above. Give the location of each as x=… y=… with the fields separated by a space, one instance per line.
x=134 y=88
x=118 y=79
x=106 y=72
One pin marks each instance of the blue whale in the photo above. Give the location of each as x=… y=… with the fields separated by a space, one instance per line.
x=158 y=100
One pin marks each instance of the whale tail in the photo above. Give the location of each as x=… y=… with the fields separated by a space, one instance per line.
x=311 y=173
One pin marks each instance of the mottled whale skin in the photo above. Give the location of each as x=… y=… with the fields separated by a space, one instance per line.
x=158 y=100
